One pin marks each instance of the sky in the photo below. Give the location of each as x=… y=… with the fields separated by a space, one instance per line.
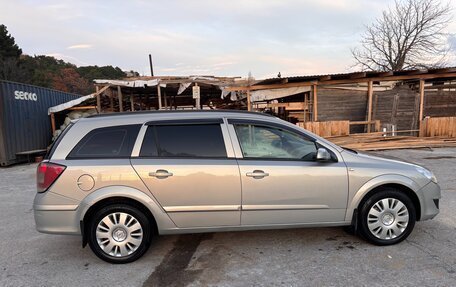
x=196 y=37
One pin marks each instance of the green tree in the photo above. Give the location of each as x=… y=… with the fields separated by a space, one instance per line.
x=8 y=46
x=105 y=72
x=49 y=72
x=9 y=55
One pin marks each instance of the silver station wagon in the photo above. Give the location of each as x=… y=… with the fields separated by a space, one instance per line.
x=120 y=179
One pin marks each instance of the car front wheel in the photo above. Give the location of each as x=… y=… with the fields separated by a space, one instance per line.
x=387 y=217
x=119 y=233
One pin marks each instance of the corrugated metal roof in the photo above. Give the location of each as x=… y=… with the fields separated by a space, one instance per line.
x=354 y=75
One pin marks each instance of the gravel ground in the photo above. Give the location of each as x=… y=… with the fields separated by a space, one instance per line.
x=293 y=257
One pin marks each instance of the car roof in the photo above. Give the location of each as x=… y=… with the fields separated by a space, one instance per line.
x=145 y=116
x=179 y=112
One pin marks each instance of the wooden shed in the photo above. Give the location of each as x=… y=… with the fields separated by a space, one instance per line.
x=369 y=101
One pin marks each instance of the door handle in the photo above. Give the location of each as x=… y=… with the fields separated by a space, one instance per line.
x=161 y=173
x=257 y=174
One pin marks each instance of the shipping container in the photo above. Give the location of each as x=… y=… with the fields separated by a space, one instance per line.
x=25 y=125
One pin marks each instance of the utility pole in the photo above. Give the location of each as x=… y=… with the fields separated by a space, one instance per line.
x=151 y=66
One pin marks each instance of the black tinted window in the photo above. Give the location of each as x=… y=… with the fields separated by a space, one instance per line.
x=200 y=140
x=149 y=145
x=107 y=143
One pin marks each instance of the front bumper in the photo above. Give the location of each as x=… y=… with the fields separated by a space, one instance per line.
x=430 y=196
x=56 y=214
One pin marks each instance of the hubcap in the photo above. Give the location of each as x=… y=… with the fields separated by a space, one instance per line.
x=119 y=234
x=388 y=218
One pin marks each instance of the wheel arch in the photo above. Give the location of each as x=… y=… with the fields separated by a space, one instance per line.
x=399 y=182
x=127 y=195
x=117 y=200
x=404 y=189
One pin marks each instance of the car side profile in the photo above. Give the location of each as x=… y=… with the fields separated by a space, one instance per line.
x=120 y=179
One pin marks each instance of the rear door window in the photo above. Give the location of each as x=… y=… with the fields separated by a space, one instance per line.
x=109 y=142
x=184 y=141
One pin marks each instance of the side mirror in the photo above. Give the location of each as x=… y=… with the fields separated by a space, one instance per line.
x=323 y=154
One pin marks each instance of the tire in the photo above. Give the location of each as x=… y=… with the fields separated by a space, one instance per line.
x=119 y=233
x=387 y=217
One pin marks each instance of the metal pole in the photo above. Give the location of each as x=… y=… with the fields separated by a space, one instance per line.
x=151 y=66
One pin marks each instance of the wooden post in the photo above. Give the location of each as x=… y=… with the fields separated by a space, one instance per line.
x=370 y=92
x=165 y=97
x=111 y=100
x=420 y=119
x=249 y=104
x=53 y=123
x=315 y=103
x=304 y=108
x=132 y=103
x=159 y=97
x=119 y=94
x=97 y=88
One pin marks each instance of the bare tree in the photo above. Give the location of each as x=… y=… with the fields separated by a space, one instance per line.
x=409 y=35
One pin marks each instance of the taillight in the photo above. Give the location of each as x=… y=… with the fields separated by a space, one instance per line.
x=46 y=174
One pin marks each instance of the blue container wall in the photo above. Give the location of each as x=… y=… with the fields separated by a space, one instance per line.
x=24 y=121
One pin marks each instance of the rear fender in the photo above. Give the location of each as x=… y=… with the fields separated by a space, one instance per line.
x=161 y=217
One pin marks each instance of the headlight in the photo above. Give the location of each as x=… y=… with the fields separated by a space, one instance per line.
x=427 y=173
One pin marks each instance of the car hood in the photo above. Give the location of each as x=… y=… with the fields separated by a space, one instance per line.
x=373 y=165
x=386 y=158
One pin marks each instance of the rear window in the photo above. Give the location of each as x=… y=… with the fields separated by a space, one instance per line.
x=110 y=142
x=56 y=142
x=199 y=140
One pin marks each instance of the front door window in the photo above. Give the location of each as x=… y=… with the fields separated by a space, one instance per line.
x=264 y=142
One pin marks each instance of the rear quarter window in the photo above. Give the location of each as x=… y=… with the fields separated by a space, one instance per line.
x=109 y=142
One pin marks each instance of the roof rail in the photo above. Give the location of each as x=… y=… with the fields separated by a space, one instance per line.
x=176 y=111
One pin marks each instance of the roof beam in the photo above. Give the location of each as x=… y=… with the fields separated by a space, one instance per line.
x=357 y=75
x=444 y=70
x=325 y=78
x=385 y=74
x=417 y=72
x=271 y=86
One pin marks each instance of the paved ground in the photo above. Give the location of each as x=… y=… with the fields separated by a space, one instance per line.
x=295 y=257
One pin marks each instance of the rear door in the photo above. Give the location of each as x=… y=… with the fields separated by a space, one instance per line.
x=189 y=167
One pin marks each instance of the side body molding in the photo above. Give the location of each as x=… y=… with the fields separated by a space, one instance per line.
x=161 y=217
x=356 y=196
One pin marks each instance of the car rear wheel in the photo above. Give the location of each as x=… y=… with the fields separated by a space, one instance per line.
x=387 y=217
x=119 y=233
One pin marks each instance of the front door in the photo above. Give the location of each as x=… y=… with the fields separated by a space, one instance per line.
x=186 y=167
x=282 y=183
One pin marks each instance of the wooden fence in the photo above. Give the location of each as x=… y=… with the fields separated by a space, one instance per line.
x=327 y=129
x=441 y=126
x=336 y=128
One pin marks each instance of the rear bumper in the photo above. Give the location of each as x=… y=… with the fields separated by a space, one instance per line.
x=56 y=215
x=430 y=195
x=56 y=222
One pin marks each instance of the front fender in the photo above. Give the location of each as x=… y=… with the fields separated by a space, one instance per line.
x=358 y=195
x=161 y=217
